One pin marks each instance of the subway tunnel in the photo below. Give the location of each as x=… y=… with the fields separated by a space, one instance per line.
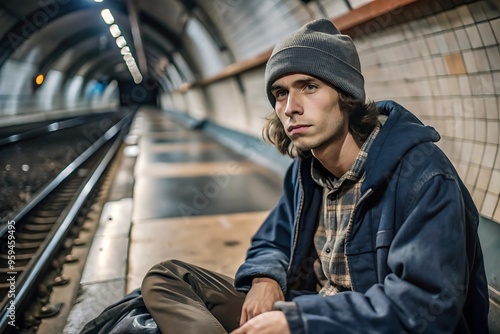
x=170 y=96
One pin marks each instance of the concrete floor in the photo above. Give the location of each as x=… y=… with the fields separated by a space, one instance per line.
x=178 y=194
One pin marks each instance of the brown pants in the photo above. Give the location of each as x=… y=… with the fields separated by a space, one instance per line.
x=186 y=299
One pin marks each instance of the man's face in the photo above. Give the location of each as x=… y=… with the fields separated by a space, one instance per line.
x=309 y=110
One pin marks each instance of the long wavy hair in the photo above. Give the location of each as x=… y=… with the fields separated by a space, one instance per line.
x=363 y=117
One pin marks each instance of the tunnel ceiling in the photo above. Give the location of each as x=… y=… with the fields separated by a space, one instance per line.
x=72 y=37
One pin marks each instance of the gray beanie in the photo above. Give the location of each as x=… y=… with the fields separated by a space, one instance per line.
x=317 y=49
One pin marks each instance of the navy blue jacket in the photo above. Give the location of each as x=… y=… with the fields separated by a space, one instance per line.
x=413 y=253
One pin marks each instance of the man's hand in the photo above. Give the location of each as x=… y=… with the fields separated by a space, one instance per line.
x=260 y=298
x=273 y=322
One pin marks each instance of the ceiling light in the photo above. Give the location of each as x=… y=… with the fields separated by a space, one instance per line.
x=115 y=30
x=121 y=42
x=107 y=16
x=39 y=79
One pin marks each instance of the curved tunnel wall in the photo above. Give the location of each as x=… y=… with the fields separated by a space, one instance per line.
x=444 y=67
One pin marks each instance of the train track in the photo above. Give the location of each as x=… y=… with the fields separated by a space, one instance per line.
x=36 y=241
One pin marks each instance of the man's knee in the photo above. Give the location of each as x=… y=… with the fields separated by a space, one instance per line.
x=159 y=271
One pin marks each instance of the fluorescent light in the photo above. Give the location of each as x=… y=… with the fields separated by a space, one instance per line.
x=98 y=0
x=121 y=42
x=107 y=16
x=115 y=30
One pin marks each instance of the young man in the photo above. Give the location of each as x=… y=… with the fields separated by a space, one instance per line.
x=375 y=232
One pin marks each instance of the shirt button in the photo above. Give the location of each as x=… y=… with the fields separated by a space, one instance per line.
x=328 y=250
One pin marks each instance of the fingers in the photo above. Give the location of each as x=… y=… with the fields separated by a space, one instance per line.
x=249 y=312
x=244 y=317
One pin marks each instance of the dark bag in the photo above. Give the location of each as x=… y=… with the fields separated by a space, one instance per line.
x=128 y=315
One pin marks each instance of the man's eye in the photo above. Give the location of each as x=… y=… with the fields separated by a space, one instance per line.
x=280 y=93
x=310 y=87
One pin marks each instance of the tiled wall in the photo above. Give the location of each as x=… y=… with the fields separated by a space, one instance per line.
x=446 y=69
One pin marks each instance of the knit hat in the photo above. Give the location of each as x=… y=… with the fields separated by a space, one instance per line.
x=320 y=50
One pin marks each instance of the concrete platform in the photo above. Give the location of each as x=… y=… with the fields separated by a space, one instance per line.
x=178 y=194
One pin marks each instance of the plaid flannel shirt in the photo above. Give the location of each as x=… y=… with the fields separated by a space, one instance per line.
x=339 y=199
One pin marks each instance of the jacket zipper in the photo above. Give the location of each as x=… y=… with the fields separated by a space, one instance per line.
x=351 y=223
x=297 y=222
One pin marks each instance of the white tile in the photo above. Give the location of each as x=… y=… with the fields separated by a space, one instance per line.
x=495 y=25
x=469 y=130
x=453 y=86
x=433 y=84
x=465 y=15
x=494 y=186
x=497 y=162
x=466 y=151
x=474 y=37
x=463 y=39
x=477 y=152
x=477 y=11
x=462 y=169
x=496 y=83
x=486 y=33
x=482 y=84
x=407 y=32
x=483 y=178
x=494 y=57
x=421 y=46
x=454 y=18
x=428 y=65
x=491 y=9
x=490 y=152
x=479 y=111
x=443 y=86
x=469 y=61
x=472 y=174
x=442 y=44
x=489 y=205
x=480 y=130
x=433 y=45
x=451 y=41
x=439 y=66
x=463 y=82
x=491 y=108
x=477 y=195
x=492 y=131
x=482 y=60
x=468 y=108
x=442 y=20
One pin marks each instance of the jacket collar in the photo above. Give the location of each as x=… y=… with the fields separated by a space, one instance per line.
x=401 y=131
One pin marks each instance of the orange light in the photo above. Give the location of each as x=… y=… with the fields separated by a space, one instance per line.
x=39 y=79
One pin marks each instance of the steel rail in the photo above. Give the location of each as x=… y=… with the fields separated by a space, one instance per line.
x=44 y=129
x=25 y=283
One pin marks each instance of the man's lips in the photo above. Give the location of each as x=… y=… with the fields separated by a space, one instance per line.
x=297 y=129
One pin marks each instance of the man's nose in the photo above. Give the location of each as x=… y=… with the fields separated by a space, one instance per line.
x=293 y=105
